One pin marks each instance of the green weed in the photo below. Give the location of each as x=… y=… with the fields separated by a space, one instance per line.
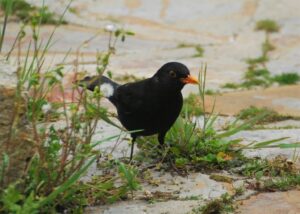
x=287 y=78
x=224 y=204
x=50 y=181
x=192 y=106
x=278 y=174
x=252 y=111
x=257 y=74
x=199 y=51
x=231 y=85
x=28 y=13
x=267 y=25
x=198 y=48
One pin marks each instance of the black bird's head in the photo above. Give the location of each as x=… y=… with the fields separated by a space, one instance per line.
x=174 y=76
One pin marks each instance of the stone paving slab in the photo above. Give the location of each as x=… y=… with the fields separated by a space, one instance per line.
x=249 y=136
x=272 y=203
x=225 y=29
x=285 y=100
x=141 y=207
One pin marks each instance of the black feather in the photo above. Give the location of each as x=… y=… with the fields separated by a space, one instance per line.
x=151 y=105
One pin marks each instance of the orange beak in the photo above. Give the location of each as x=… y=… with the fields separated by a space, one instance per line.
x=189 y=79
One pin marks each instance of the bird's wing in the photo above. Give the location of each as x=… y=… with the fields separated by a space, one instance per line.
x=129 y=98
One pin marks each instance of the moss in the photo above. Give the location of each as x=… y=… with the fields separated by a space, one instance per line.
x=221 y=178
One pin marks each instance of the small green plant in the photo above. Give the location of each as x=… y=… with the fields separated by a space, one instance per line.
x=278 y=174
x=287 y=78
x=192 y=106
x=252 y=111
x=282 y=183
x=257 y=73
x=211 y=92
x=185 y=45
x=28 y=13
x=267 y=25
x=231 y=85
x=266 y=48
x=198 y=48
x=258 y=60
x=199 y=51
x=224 y=204
x=62 y=154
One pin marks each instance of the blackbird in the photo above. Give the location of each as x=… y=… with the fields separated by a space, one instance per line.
x=151 y=105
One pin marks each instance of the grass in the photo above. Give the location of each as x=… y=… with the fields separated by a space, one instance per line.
x=211 y=92
x=28 y=13
x=224 y=204
x=252 y=111
x=278 y=174
x=257 y=74
x=50 y=181
x=258 y=60
x=192 y=105
x=287 y=78
x=252 y=74
x=231 y=85
x=199 y=50
x=263 y=78
x=267 y=47
x=267 y=25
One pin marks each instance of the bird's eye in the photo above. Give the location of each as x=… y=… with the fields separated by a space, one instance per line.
x=172 y=74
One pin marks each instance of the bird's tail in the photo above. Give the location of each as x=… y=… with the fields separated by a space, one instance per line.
x=106 y=85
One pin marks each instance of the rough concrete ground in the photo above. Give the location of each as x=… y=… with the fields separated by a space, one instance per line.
x=225 y=29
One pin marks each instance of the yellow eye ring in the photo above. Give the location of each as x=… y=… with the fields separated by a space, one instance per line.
x=172 y=74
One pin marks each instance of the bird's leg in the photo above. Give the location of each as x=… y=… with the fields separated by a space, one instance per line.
x=161 y=139
x=132 y=147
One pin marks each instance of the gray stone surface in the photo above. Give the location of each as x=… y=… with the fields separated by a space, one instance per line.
x=224 y=28
x=293 y=136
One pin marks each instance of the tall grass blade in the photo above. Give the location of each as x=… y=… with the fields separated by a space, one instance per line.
x=7 y=12
x=4 y=165
x=243 y=126
x=50 y=198
x=267 y=143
